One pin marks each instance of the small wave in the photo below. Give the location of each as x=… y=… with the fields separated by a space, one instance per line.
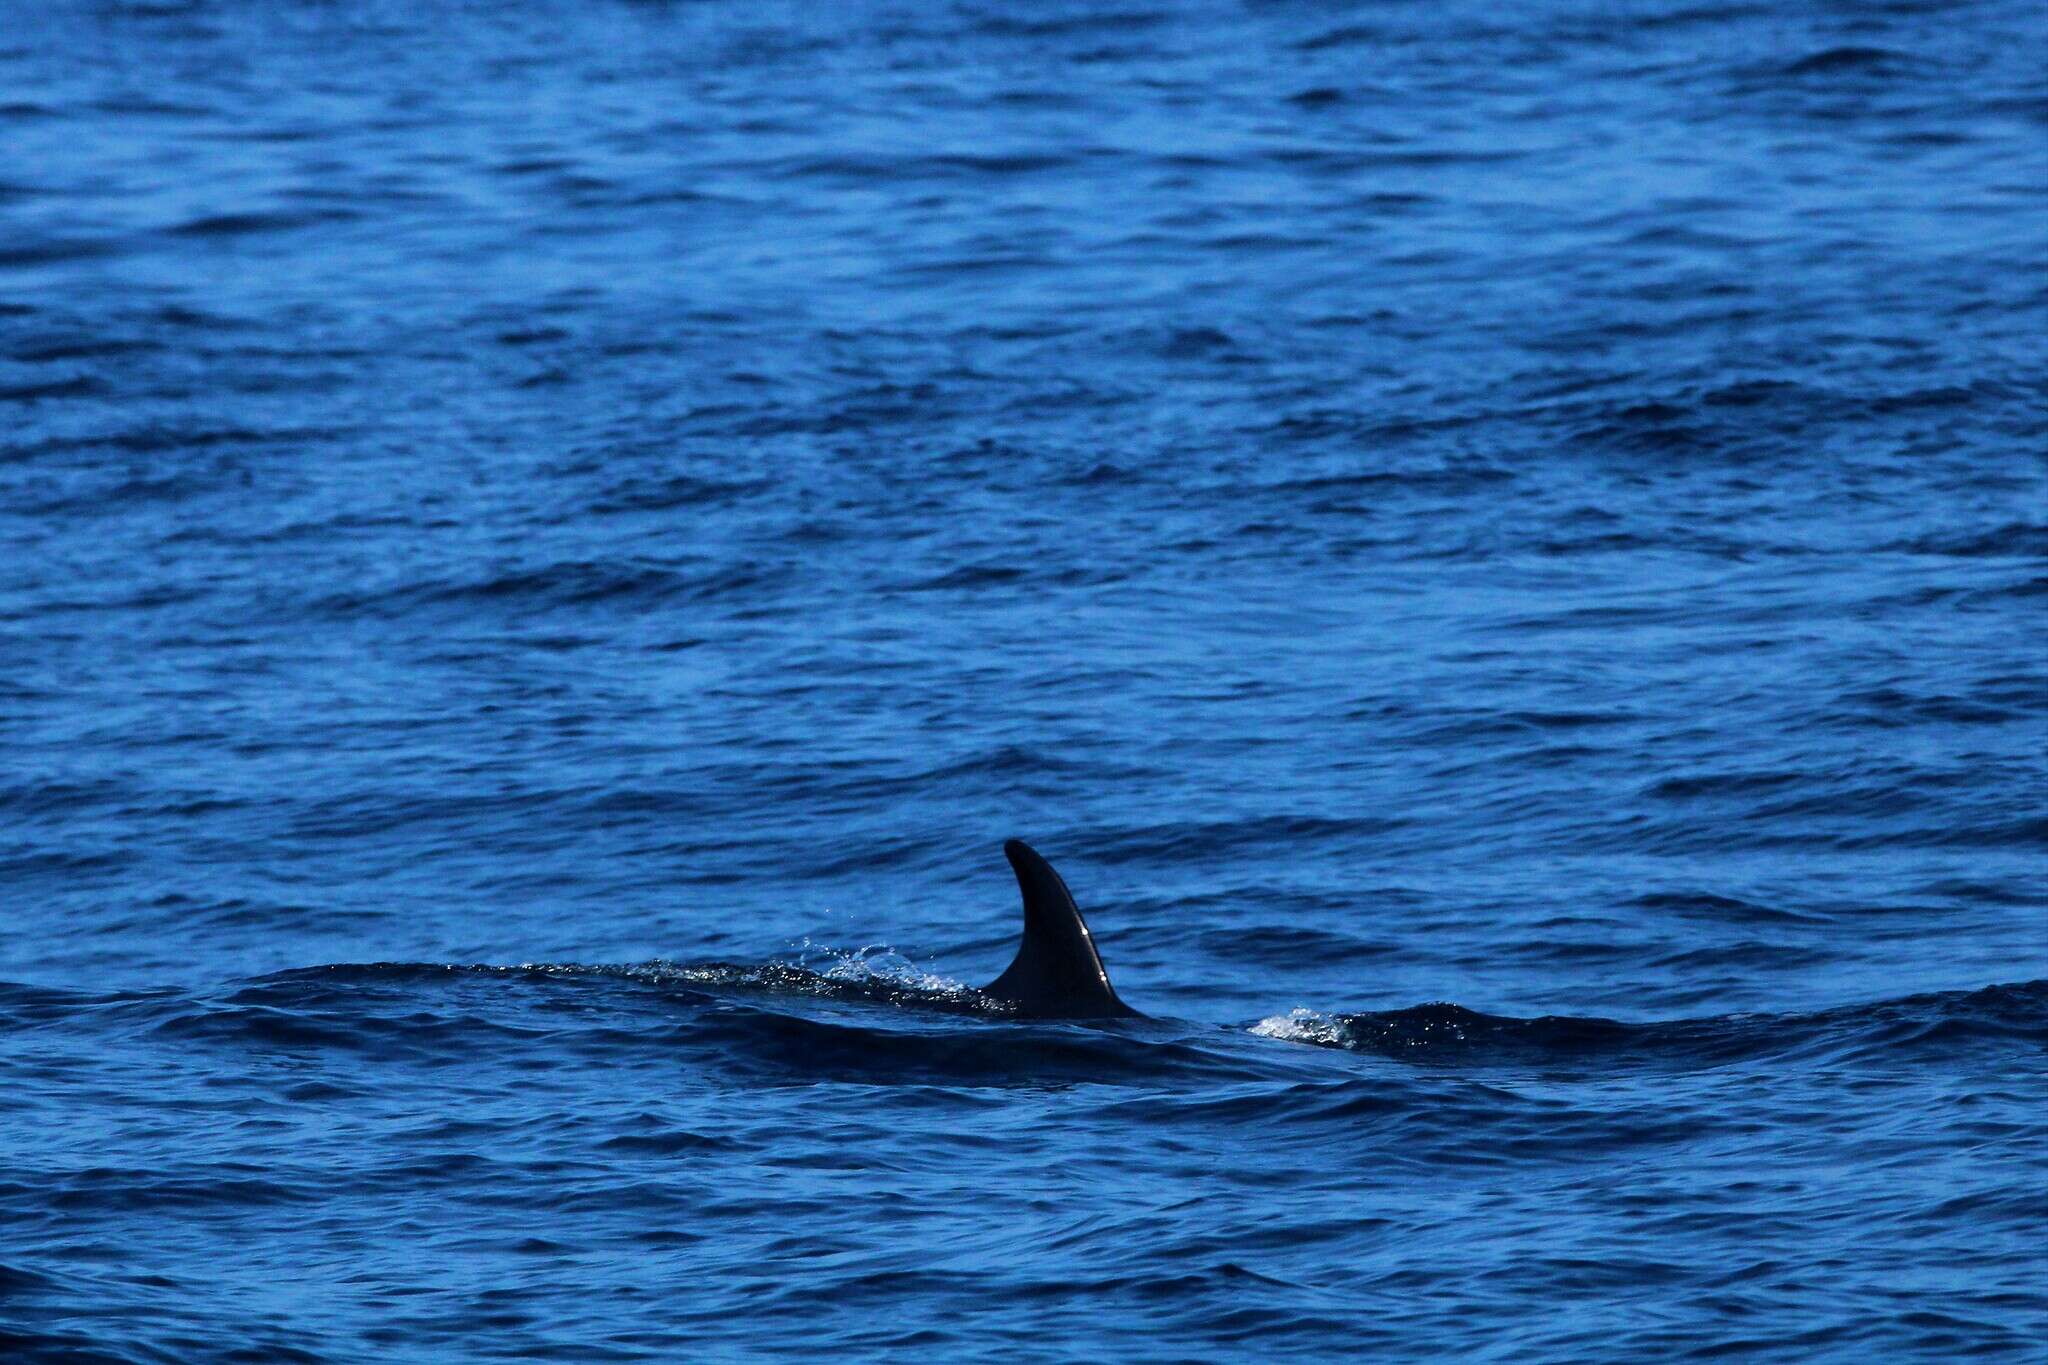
x=989 y=575
x=273 y=1019
x=2018 y=540
x=22 y=1280
x=1893 y=1030
x=854 y=168
x=77 y=386
x=1102 y=473
x=176 y=439
x=53 y=250
x=1833 y=60
x=1345 y=35
x=54 y=346
x=1701 y=905
x=244 y=224
x=1063 y=26
x=126 y=493
x=1317 y=97
x=45 y=797
x=1194 y=343
x=667 y=494
x=571 y=583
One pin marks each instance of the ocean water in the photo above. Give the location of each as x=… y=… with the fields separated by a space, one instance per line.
x=1503 y=551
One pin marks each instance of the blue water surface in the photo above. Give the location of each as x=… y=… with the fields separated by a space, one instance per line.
x=1503 y=550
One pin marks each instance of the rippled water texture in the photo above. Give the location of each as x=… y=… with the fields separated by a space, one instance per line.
x=1502 y=550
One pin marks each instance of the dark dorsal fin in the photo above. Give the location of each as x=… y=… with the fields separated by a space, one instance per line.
x=1057 y=974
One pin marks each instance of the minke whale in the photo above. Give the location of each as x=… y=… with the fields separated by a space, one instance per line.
x=1057 y=973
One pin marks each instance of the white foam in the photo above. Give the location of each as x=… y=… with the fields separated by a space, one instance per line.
x=880 y=964
x=1302 y=1026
